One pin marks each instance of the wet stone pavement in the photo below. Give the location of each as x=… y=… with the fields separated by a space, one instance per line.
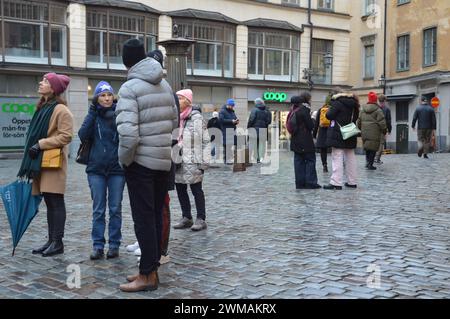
x=390 y=238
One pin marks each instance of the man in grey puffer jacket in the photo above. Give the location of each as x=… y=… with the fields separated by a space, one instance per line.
x=146 y=116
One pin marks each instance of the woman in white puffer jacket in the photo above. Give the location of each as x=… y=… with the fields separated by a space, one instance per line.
x=195 y=146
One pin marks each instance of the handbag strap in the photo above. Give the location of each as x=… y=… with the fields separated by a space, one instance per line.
x=351 y=119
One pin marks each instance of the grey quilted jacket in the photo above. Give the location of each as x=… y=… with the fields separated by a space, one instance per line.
x=146 y=116
x=196 y=150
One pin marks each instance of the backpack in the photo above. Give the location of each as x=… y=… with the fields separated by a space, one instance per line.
x=290 y=120
x=324 y=122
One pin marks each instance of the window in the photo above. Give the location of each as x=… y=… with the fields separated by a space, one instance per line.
x=399 y=2
x=429 y=46
x=273 y=55
x=369 y=61
x=370 y=7
x=321 y=73
x=296 y=2
x=403 y=53
x=213 y=53
x=325 y=4
x=107 y=31
x=34 y=32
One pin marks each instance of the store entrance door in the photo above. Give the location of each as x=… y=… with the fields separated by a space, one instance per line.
x=279 y=121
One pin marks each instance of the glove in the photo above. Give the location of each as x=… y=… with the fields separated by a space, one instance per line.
x=34 y=151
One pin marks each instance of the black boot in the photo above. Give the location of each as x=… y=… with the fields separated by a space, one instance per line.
x=55 y=248
x=40 y=250
x=97 y=254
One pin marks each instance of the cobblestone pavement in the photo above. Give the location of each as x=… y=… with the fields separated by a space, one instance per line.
x=264 y=239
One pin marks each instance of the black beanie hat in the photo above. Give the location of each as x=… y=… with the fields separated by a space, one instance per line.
x=157 y=55
x=133 y=52
x=296 y=99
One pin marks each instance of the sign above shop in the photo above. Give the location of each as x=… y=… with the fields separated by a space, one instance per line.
x=275 y=96
x=15 y=118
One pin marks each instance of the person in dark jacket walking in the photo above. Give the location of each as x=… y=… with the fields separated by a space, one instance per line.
x=214 y=126
x=105 y=176
x=260 y=119
x=344 y=109
x=387 y=116
x=320 y=134
x=372 y=124
x=426 y=119
x=302 y=143
x=229 y=121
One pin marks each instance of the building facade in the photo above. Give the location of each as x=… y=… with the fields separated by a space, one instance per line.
x=244 y=49
x=418 y=64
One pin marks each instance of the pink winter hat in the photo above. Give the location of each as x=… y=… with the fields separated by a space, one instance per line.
x=186 y=93
x=58 y=82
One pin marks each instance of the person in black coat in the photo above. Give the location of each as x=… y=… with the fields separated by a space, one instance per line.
x=229 y=122
x=320 y=134
x=260 y=119
x=302 y=143
x=426 y=118
x=213 y=127
x=344 y=109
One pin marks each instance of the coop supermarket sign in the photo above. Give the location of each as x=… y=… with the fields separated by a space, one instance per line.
x=275 y=96
x=15 y=119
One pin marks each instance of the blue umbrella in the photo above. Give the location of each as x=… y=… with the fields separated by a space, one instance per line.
x=20 y=206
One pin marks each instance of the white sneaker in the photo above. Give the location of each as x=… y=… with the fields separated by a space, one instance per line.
x=164 y=259
x=137 y=252
x=133 y=247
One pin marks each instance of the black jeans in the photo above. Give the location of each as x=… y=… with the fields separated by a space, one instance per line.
x=185 y=204
x=370 y=157
x=324 y=155
x=56 y=215
x=305 y=169
x=147 y=189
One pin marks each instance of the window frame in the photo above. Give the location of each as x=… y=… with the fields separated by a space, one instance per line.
x=322 y=54
x=145 y=33
x=434 y=47
x=223 y=42
x=323 y=8
x=365 y=69
x=407 y=53
x=367 y=4
x=402 y=2
x=43 y=22
x=263 y=32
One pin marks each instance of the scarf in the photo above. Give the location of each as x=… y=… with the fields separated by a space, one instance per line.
x=183 y=118
x=31 y=168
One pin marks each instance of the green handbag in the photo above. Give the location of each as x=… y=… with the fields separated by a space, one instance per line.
x=349 y=130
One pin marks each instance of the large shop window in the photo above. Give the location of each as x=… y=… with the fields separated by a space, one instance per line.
x=273 y=55
x=213 y=53
x=30 y=30
x=107 y=31
x=322 y=74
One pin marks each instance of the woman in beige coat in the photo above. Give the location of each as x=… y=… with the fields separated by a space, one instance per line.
x=50 y=128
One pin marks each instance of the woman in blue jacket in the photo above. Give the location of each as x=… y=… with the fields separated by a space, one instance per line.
x=105 y=176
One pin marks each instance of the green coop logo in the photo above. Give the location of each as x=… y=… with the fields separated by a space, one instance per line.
x=275 y=96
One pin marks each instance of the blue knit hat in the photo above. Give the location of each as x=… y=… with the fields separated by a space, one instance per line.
x=103 y=87
x=231 y=102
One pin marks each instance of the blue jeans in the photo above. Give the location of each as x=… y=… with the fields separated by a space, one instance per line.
x=101 y=187
x=305 y=169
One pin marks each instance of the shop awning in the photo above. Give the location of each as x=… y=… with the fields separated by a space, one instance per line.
x=272 y=24
x=402 y=97
x=119 y=4
x=202 y=15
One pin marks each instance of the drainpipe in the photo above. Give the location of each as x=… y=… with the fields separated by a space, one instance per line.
x=310 y=45
x=385 y=46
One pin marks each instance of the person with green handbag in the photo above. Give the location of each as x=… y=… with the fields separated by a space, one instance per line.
x=344 y=110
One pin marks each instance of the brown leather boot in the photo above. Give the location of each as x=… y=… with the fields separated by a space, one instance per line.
x=142 y=283
x=132 y=278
